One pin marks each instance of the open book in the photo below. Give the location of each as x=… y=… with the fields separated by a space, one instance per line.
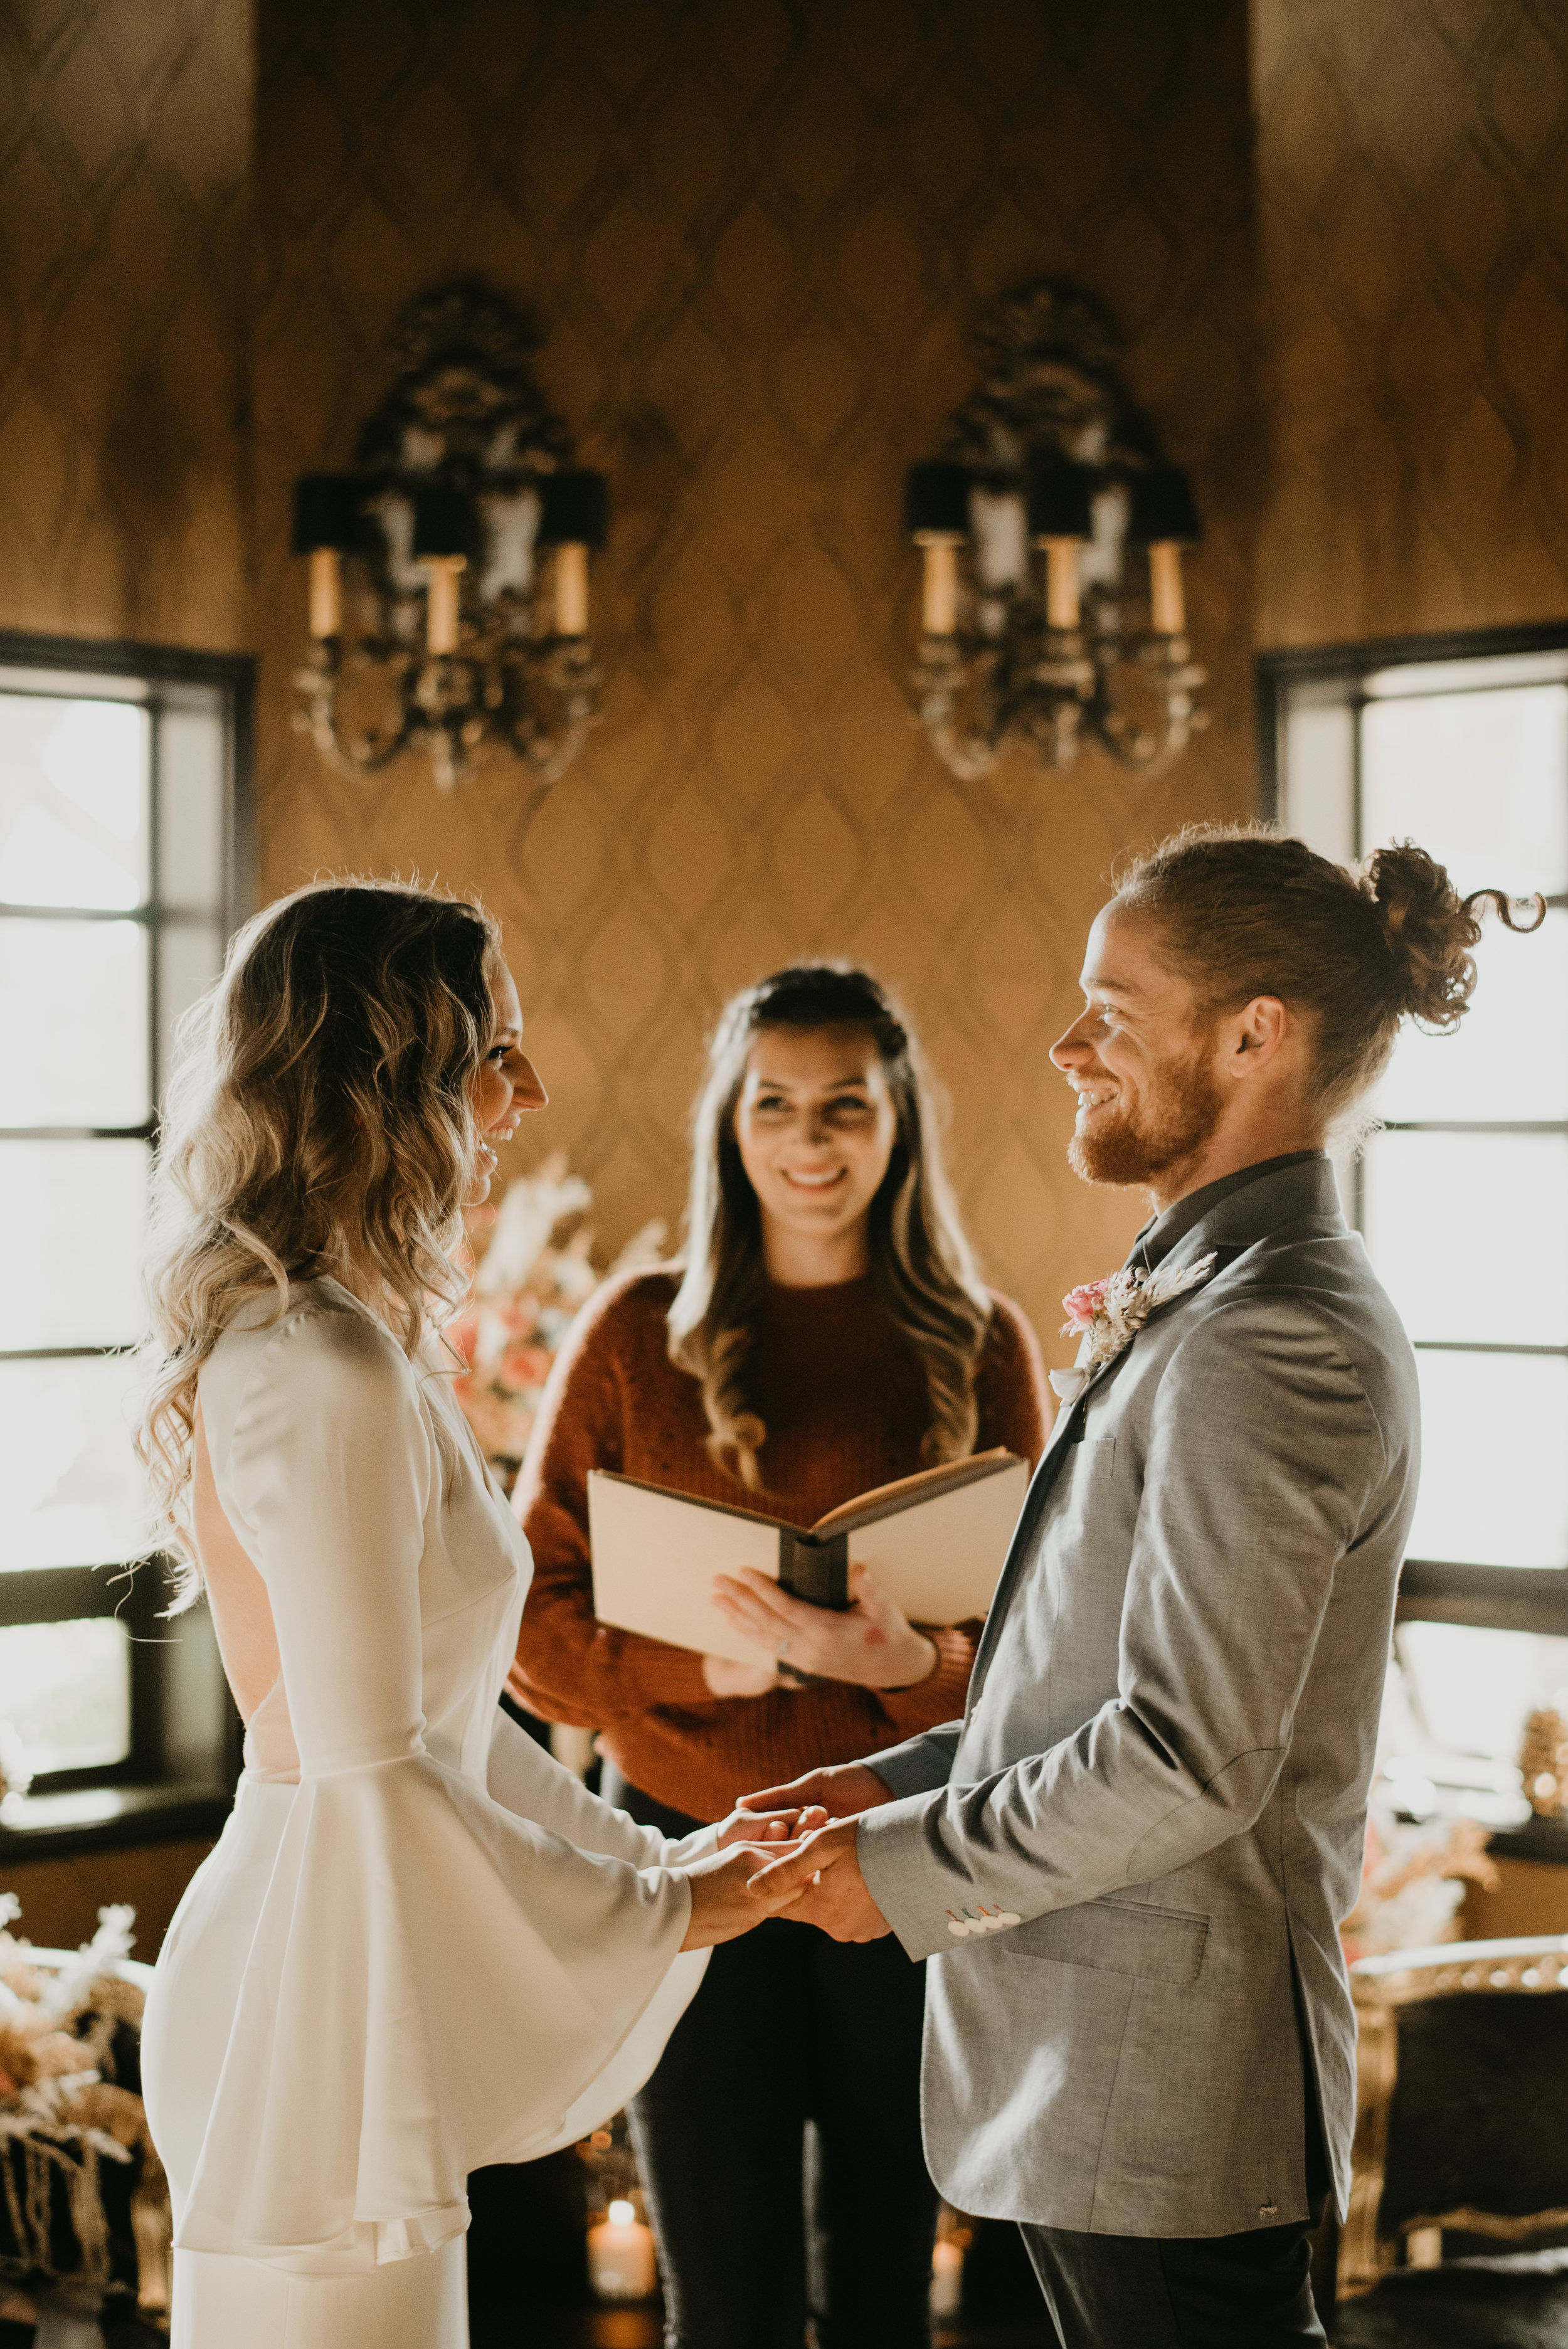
x=936 y=1543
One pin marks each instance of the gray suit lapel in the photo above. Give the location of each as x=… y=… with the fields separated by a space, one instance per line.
x=1232 y=1226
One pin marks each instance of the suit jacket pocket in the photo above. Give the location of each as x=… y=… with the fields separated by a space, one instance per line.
x=1118 y=1937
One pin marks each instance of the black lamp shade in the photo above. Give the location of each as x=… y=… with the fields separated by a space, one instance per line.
x=1163 y=510
x=1061 y=500
x=328 y=510
x=445 y=522
x=575 y=509
x=936 y=500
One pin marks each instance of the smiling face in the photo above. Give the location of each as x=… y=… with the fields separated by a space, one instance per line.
x=815 y=1125
x=505 y=1084
x=1142 y=1063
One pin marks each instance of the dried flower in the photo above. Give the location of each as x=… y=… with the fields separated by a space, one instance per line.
x=1107 y=1315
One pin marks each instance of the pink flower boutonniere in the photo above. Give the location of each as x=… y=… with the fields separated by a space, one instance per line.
x=1106 y=1316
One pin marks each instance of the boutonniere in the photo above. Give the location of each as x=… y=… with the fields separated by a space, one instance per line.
x=1107 y=1315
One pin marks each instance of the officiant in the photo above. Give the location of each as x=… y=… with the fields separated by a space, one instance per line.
x=828 y=1332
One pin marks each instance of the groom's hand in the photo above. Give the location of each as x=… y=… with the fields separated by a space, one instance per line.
x=824 y=1883
x=843 y=1791
x=761 y=1826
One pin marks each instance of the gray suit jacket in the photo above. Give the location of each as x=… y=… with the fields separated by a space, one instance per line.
x=1162 y=1776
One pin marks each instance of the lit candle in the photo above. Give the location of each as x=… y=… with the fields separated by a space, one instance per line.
x=947 y=2278
x=1168 y=604
x=325 y=591
x=1062 y=582
x=939 y=603
x=571 y=590
x=442 y=602
x=620 y=2263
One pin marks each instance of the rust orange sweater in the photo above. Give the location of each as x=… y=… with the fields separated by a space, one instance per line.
x=845 y=1407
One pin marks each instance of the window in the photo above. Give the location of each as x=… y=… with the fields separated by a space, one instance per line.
x=119 y=853
x=1462 y=745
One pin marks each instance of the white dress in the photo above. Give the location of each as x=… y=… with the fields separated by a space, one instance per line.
x=421 y=1945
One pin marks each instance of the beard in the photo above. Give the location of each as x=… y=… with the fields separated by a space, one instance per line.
x=1180 y=1110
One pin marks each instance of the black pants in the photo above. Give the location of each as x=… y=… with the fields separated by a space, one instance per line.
x=1251 y=2291
x=779 y=2142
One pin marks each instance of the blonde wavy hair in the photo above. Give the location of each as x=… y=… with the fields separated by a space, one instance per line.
x=319 y=1122
x=923 y=1269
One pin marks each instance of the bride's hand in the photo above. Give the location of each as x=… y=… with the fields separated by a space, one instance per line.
x=724 y=1902
x=785 y=1823
x=871 y=1642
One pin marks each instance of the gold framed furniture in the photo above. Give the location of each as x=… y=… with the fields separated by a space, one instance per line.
x=1462 y=2057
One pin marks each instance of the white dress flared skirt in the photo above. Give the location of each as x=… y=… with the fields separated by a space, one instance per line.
x=420 y=1945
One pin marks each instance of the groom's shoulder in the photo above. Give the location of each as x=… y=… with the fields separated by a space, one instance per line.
x=1304 y=1293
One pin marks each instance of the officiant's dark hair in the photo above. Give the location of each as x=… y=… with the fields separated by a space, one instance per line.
x=1246 y=911
x=921 y=1265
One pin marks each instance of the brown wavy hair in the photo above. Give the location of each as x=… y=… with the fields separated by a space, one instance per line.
x=1246 y=911
x=922 y=1267
x=319 y=1122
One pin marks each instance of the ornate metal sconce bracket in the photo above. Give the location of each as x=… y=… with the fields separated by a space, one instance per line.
x=459 y=547
x=1035 y=628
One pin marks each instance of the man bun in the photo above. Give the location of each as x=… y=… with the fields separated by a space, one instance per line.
x=1429 y=931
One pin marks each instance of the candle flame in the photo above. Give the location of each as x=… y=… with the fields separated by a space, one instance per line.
x=622 y=2214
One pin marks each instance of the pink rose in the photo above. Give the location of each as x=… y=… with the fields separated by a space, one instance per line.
x=1082 y=1304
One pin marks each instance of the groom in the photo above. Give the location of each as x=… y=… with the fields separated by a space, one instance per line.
x=1131 y=1858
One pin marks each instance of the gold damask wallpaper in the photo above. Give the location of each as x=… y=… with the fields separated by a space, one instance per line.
x=759 y=235
x=125 y=193
x=1413 y=224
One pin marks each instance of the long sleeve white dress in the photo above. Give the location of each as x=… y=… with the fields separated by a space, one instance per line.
x=421 y=1946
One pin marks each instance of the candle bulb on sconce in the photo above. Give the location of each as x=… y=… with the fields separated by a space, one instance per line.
x=571 y=591
x=1163 y=518
x=1167 y=601
x=573 y=518
x=327 y=525
x=936 y=515
x=1054 y=648
x=325 y=592
x=1062 y=519
x=443 y=610
x=430 y=613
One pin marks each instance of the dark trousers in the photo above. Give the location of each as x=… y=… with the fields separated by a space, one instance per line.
x=779 y=2142
x=1251 y=2291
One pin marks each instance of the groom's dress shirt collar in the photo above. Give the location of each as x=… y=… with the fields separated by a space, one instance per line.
x=1162 y=1232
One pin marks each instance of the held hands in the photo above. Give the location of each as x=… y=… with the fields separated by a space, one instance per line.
x=821 y=1870
x=728 y=1893
x=820 y=1879
x=724 y=1902
x=870 y=1642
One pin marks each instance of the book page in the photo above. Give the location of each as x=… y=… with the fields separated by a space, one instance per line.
x=942 y=1558
x=654 y=1557
x=883 y=1499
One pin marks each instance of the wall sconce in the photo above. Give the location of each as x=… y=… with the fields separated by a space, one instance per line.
x=460 y=546
x=1034 y=624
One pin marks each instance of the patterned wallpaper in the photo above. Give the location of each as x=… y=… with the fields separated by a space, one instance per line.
x=1413 y=217
x=125 y=160
x=759 y=235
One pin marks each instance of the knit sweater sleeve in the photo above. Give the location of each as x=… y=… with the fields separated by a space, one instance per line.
x=1010 y=1391
x=571 y=1667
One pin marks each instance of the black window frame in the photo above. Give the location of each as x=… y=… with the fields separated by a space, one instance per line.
x=1494 y=1598
x=178 y=1776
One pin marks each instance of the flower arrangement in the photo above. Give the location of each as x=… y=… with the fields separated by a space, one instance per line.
x=534 y=1272
x=85 y=2194
x=1413 y=1884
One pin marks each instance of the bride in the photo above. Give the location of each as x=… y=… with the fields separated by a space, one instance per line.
x=421 y=1946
